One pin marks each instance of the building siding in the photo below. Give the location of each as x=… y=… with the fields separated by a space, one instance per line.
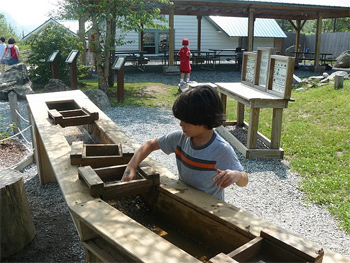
x=212 y=37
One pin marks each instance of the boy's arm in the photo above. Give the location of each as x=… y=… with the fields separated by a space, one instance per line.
x=228 y=177
x=138 y=157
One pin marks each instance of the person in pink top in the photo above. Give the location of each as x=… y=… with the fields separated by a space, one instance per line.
x=185 y=65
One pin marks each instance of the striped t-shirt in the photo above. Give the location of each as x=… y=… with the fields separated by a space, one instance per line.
x=197 y=165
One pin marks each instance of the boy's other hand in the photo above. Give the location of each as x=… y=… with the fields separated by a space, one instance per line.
x=227 y=177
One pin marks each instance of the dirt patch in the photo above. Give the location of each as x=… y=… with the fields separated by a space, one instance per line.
x=155 y=89
x=12 y=152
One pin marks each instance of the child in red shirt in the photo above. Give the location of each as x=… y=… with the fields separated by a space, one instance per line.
x=185 y=66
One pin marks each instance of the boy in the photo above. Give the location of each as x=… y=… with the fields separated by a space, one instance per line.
x=204 y=160
x=185 y=64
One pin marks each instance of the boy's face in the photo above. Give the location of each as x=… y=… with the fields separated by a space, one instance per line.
x=191 y=130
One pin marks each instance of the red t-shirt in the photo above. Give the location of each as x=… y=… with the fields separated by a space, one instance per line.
x=185 y=65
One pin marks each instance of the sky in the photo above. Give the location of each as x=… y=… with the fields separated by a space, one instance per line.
x=28 y=12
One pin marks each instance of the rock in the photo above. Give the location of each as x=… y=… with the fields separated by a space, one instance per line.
x=343 y=61
x=297 y=81
x=100 y=98
x=55 y=85
x=16 y=73
x=15 y=78
x=341 y=73
x=301 y=89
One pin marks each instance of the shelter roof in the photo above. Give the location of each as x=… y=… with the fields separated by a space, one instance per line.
x=238 y=26
x=277 y=9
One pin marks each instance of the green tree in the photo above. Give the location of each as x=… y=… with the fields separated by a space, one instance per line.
x=53 y=37
x=108 y=15
x=5 y=29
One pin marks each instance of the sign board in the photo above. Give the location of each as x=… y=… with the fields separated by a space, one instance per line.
x=262 y=67
x=53 y=56
x=281 y=76
x=73 y=55
x=119 y=63
x=248 y=68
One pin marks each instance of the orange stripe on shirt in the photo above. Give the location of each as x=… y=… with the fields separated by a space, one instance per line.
x=193 y=163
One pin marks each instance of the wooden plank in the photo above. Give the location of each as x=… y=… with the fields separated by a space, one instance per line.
x=223 y=132
x=128 y=236
x=222 y=258
x=76 y=152
x=92 y=180
x=297 y=246
x=248 y=250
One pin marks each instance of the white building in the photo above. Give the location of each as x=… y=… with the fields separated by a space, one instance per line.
x=216 y=33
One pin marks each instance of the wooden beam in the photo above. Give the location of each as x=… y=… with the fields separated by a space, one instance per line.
x=171 y=35
x=318 y=40
x=251 y=29
x=199 y=32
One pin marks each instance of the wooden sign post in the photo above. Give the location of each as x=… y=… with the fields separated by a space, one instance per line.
x=53 y=60
x=72 y=61
x=118 y=66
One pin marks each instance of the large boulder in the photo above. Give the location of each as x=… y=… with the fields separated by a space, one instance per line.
x=16 y=79
x=100 y=98
x=343 y=61
x=55 y=85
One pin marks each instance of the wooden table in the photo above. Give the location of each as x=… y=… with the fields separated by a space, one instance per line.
x=135 y=56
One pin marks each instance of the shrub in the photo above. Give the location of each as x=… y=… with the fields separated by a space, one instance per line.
x=53 y=37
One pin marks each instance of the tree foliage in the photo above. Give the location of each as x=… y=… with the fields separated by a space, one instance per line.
x=53 y=37
x=108 y=15
x=310 y=27
x=5 y=29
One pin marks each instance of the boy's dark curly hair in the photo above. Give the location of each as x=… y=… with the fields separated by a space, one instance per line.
x=200 y=105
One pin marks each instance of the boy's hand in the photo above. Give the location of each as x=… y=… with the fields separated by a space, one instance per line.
x=228 y=177
x=128 y=175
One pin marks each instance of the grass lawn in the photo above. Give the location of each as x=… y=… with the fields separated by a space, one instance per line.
x=315 y=137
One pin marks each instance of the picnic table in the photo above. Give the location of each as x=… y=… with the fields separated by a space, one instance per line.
x=301 y=56
x=134 y=56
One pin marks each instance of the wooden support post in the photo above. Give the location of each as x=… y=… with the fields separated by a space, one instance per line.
x=120 y=85
x=276 y=128
x=253 y=128
x=240 y=114
x=338 y=81
x=17 y=228
x=13 y=108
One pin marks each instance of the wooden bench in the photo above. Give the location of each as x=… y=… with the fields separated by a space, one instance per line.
x=266 y=83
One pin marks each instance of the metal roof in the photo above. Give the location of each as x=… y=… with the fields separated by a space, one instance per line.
x=238 y=26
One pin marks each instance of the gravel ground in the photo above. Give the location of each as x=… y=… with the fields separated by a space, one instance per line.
x=272 y=192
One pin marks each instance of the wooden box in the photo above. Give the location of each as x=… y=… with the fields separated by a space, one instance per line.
x=105 y=182
x=68 y=113
x=277 y=246
x=98 y=155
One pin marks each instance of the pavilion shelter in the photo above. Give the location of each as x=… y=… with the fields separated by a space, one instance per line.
x=297 y=12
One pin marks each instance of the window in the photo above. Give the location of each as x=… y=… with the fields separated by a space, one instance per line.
x=155 y=41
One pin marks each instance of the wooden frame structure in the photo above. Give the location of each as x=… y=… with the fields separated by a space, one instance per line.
x=291 y=10
x=266 y=83
x=109 y=235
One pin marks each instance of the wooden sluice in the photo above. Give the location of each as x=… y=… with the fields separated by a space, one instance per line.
x=227 y=233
